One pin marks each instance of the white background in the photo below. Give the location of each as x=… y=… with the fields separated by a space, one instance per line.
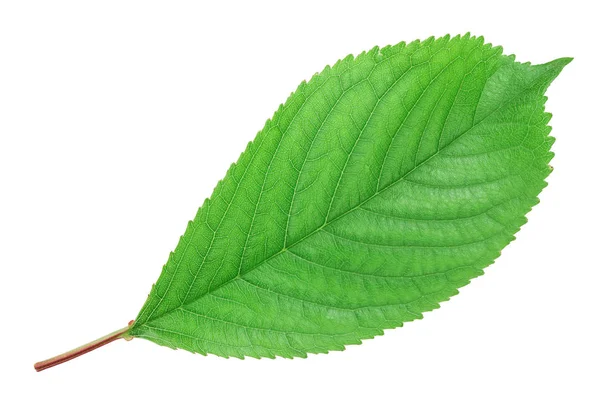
x=117 y=119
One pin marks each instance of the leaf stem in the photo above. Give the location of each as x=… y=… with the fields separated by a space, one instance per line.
x=86 y=348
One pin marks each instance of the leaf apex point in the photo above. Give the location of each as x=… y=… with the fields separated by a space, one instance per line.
x=564 y=60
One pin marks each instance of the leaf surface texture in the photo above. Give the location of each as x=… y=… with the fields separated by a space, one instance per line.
x=378 y=189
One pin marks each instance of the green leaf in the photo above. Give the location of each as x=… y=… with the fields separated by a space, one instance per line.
x=380 y=187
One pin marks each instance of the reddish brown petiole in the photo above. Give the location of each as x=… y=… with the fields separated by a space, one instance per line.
x=69 y=355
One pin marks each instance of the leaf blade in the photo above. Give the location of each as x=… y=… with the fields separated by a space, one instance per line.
x=297 y=252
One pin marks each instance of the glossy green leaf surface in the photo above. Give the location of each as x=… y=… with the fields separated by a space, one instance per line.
x=378 y=189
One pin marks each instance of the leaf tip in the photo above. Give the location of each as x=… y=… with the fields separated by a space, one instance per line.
x=564 y=60
x=558 y=64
